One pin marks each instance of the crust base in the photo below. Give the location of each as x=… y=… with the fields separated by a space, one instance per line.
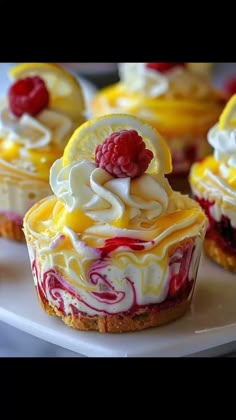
x=219 y=256
x=120 y=323
x=11 y=230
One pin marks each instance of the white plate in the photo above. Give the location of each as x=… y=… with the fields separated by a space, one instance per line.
x=210 y=323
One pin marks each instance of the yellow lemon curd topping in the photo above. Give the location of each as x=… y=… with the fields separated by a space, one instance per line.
x=23 y=161
x=181 y=224
x=187 y=100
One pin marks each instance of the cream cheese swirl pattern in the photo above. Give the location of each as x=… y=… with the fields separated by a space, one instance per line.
x=110 y=279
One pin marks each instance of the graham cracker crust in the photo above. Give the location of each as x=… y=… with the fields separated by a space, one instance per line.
x=120 y=323
x=219 y=256
x=11 y=230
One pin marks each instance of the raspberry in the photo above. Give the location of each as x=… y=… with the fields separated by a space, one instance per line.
x=28 y=95
x=123 y=154
x=163 y=67
x=230 y=86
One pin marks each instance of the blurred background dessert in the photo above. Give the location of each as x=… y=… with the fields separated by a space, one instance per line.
x=179 y=99
x=39 y=111
x=213 y=182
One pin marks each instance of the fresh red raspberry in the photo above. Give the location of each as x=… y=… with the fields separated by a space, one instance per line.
x=230 y=86
x=163 y=67
x=29 y=95
x=123 y=154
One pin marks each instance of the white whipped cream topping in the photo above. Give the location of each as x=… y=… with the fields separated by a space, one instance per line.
x=176 y=82
x=104 y=198
x=214 y=188
x=35 y=132
x=138 y=78
x=224 y=144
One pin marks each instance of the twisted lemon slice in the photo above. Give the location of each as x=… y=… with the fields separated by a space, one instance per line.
x=65 y=91
x=228 y=116
x=85 y=139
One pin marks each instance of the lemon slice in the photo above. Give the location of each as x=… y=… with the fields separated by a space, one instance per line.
x=228 y=116
x=85 y=139
x=65 y=92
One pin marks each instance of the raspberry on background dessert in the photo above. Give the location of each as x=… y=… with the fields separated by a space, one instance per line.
x=114 y=249
x=42 y=108
x=178 y=99
x=213 y=183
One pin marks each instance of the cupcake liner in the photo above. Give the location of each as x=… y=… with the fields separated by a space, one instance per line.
x=95 y=303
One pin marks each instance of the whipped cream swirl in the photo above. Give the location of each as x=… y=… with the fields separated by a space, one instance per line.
x=176 y=82
x=138 y=78
x=103 y=198
x=224 y=144
x=35 y=132
x=218 y=186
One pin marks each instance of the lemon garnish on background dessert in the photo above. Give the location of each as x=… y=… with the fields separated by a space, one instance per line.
x=86 y=138
x=65 y=92
x=228 y=116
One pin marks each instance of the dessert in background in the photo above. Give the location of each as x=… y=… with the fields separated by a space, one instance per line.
x=203 y=68
x=115 y=248
x=178 y=99
x=40 y=111
x=213 y=182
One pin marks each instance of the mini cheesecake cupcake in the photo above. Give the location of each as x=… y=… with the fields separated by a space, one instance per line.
x=213 y=182
x=178 y=99
x=42 y=108
x=115 y=248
